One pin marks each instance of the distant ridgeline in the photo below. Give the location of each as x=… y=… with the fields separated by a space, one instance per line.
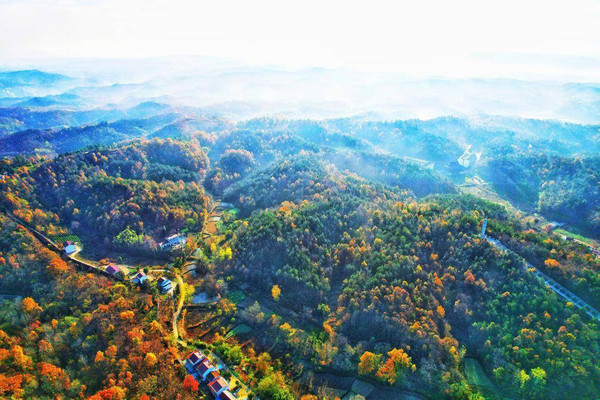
x=542 y=166
x=350 y=249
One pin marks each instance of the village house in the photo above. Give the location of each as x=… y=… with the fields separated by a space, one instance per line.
x=193 y=360
x=226 y=206
x=218 y=386
x=164 y=285
x=554 y=225
x=113 y=270
x=173 y=242
x=140 y=277
x=199 y=366
x=204 y=368
x=212 y=375
x=69 y=248
x=467 y=159
x=227 y=395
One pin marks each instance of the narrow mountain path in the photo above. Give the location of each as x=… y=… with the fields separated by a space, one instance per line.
x=179 y=307
x=208 y=229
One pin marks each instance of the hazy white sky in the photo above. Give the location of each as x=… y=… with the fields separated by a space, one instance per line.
x=512 y=38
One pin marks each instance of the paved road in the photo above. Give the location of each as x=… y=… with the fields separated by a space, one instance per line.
x=551 y=283
x=58 y=248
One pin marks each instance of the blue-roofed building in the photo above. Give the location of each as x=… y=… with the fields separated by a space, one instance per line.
x=140 y=277
x=173 y=242
x=164 y=285
x=69 y=248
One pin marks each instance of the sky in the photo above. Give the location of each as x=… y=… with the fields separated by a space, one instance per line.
x=531 y=39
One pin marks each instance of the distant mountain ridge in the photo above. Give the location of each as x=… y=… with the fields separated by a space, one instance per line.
x=32 y=77
x=75 y=138
x=245 y=92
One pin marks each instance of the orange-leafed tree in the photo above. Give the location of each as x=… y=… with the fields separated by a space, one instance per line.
x=57 y=266
x=31 y=307
x=397 y=364
x=10 y=384
x=112 y=393
x=368 y=362
x=150 y=360
x=276 y=292
x=190 y=384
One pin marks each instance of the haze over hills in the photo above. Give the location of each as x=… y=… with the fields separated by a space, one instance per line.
x=85 y=116
x=315 y=232
x=244 y=91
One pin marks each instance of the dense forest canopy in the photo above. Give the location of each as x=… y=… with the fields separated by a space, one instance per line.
x=152 y=188
x=337 y=250
x=402 y=274
x=563 y=188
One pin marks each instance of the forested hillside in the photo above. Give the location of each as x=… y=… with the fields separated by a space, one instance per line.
x=152 y=188
x=75 y=335
x=565 y=189
x=361 y=274
x=313 y=253
x=73 y=139
x=542 y=165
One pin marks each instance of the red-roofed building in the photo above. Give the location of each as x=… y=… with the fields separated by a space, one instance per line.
x=193 y=360
x=227 y=395
x=218 y=386
x=113 y=269
x=204 y=368
x=212 y=375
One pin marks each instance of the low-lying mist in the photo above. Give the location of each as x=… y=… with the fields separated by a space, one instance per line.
x=244 y=91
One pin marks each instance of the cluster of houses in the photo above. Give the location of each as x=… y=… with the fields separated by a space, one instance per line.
x=203 y=370
x=163 y=284
x=173 y=242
